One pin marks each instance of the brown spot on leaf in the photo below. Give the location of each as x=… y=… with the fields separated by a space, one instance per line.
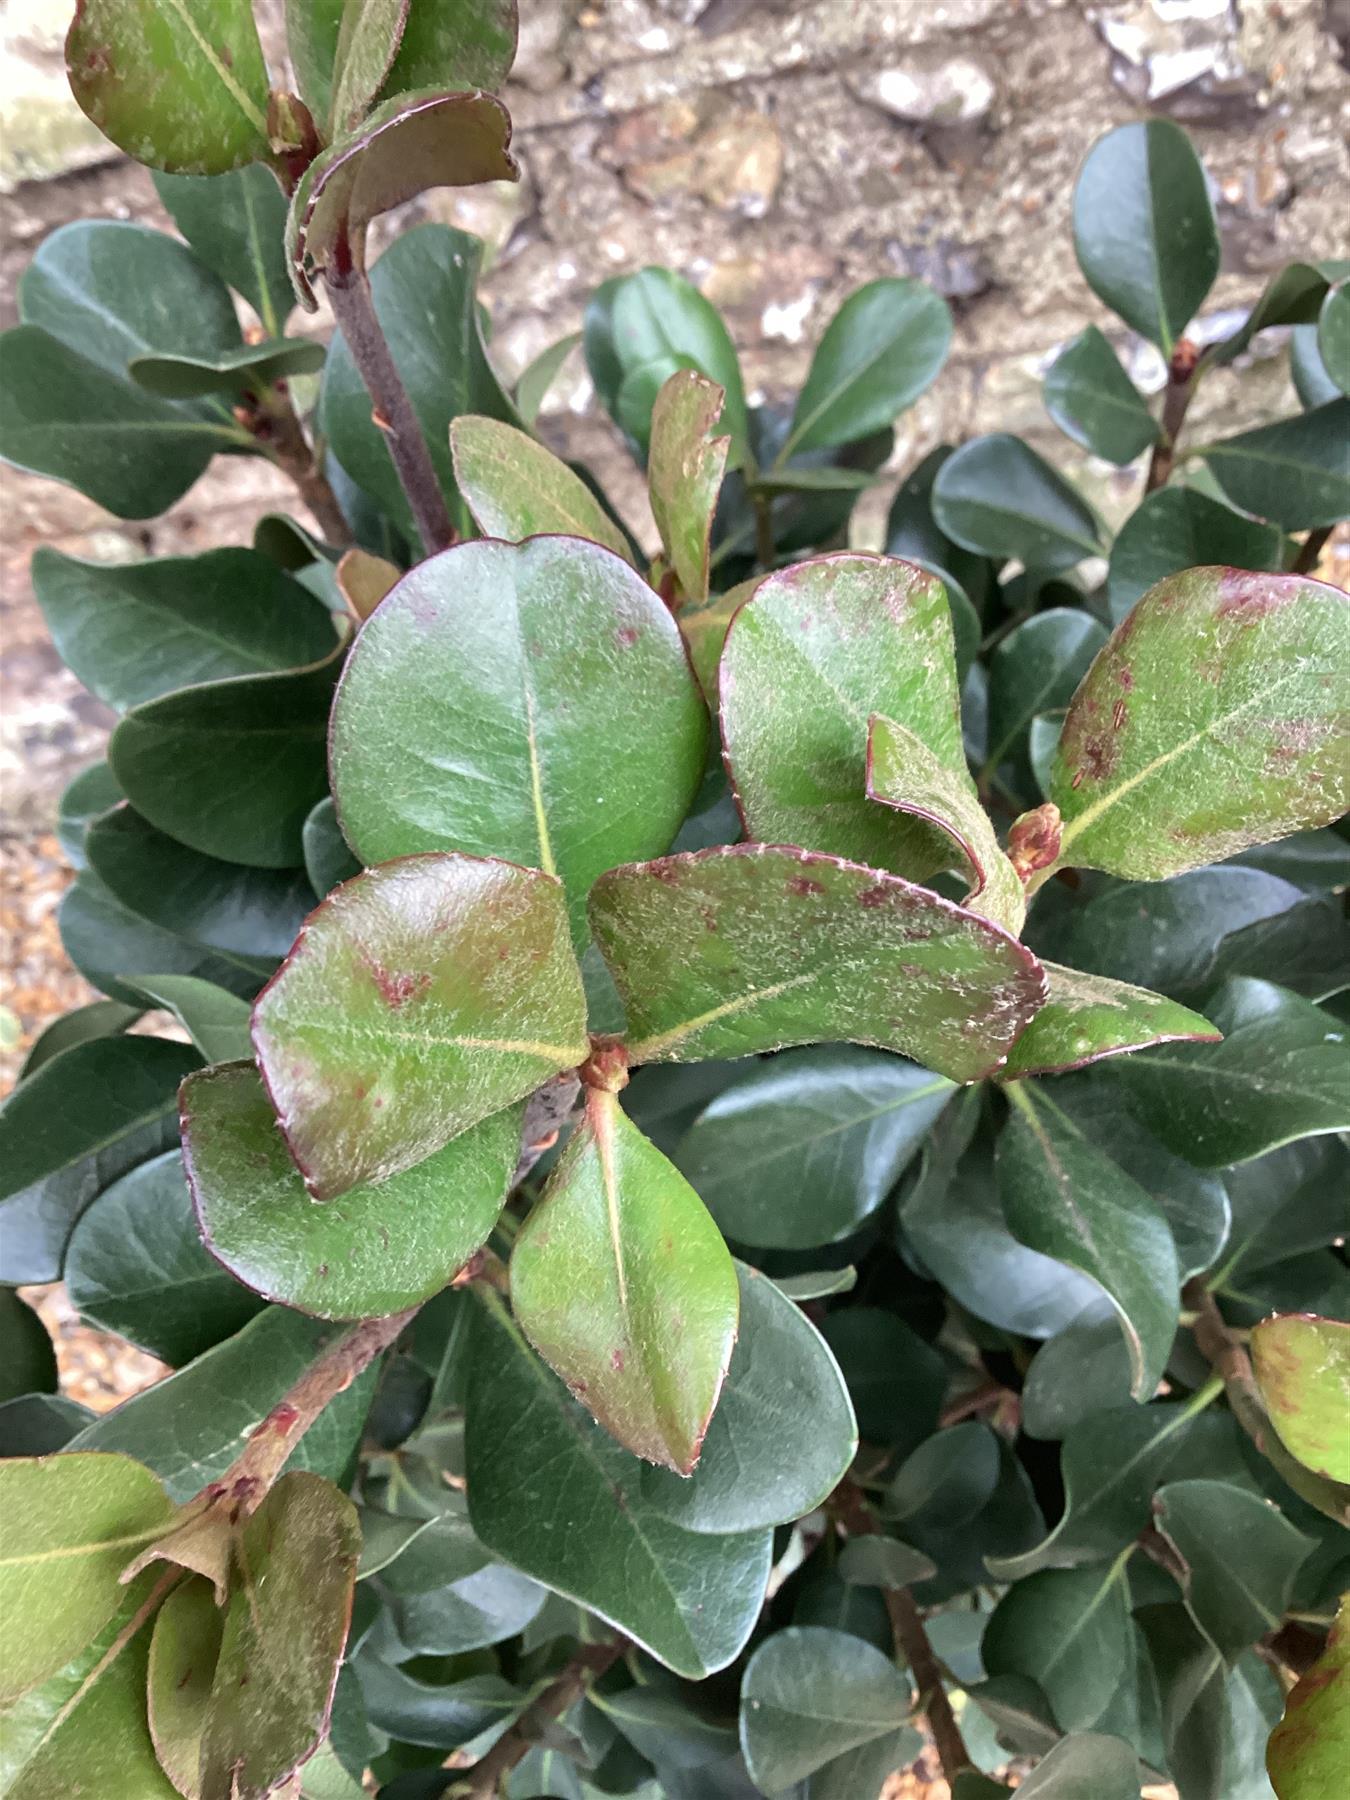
x=1119 y=713
x=1125 y=677
x=399 y=986
x=616 y=1360
x=873 y=896
x=800 y=885
x=1249 y=597
x=626 y=636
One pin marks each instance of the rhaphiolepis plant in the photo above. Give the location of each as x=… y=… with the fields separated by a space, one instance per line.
x=934 y=1304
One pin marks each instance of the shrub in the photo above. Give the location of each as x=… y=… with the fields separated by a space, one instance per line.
x=789 y=1182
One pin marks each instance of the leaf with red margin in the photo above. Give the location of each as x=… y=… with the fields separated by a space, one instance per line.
x=1089 y=1018
x=751 y=947
x=1302 y=1367
x=684 y=473
x=1309 y=1750
x=419 y=998
x=1213 y=719
x=621 y=1281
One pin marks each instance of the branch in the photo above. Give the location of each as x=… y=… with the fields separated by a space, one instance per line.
x=1177 y=396
x=588 y=1665
x=274 y=424
x=392 y=410
x=1310 y=550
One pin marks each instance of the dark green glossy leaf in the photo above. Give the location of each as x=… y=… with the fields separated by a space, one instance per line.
x=730 y=951
x=1282 y=1072
x=816 y=651
x=884 y=346
x=1064 y=1198
x=96 y=1019
x=489 y=730
x=1144 y=228
x=104 y=941
x=424 y=293
x=235 y=911
x=1316 y=861
x=811 y=1695
x=285 y=1627
x=236 y=225
x=1302 y=1367
x=408 y=144
x=184 y=1649
x=81 y=1121
x=1093 y=401
x=1089 y=1018
x=216 y=1021
x=913 y=533
x=1312 y=383
x=38 y=1424
x=684 y=475
x=659 y=323
x=134 y=631
x=553 y=1494
x=255 y=745
x=1208 y=723
x=1180 y=528
x=446 y=1716
x=883 y=1562
x=421 y=997
x=1308 y=1748
x=1215 y=1720
x=136 y=1266
x=1306 y=949
x=1333 y=335
x=536 y=379
x=1292 y=296
x=486 y=1607
x=1294 y=1200
x=817 y=1284
x=1036 y=669
x=191 y=1427
x=896 y=1380
x=995 y=495
x=181 y=86
x=783 y=1433
x=469 y=45
x=949 y=1476
x=621 y=1281
x=1069 y=1631
x=1239 y=1556
x=86 y=795
x=1294 y=473
x=1082 y=1370
x=328 y=860
x=515 y=488
x=1088 y=1766
x=27 y=1360
x=232 y=372
x=803 y=1149
x=375 y=1250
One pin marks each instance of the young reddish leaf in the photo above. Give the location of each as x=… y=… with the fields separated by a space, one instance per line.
x=530 y=701
x=684 y=473
x=285 y=1629
x=420 y=997
x=1089 y=1017
x=1309 y=1749
x=379 y=1248
x=904 y=773
x=178 y=84
x=751 y=947
x=410 y=143
x=516 y=489
x=1303 y=1369
x=183 y=1653
x=621 y=1281
x=813 y=654
x=1214 y=719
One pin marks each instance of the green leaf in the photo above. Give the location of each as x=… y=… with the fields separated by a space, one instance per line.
x=995 y=495
x=553 y=1494
x=1333 y=335
x=1292 y=296
x=880 y=351
x=1308 y=1749
x=178 y=84
x=269 y=732
x=1302 y=1367
x=408 y=144
x=96 y=1019
x=1144 y=228
x=77 y=1124
x=660 y=324
x=1087 y=1766
x=445 y=1717
x=783 y=1434
x=73 y=1523
x=240 y=371
x=368 y=41
x=815 y=652
x=1282 y=1072
x=328 y=860
x=424 y=293
x=469 y=45
x=1207 y=724
x=1088 y=1019
x=104 y=940
x=1239 y=1556
x=312 y=28
x=487 y=1607
x=731 y=951
x=216 y=1021
x=192 y=1426
x=883 y=1562
x=1063 y=1197
x=251 y=914
x=896 y=1380
x=1215 y=1720
x=811 y=1695
x=378 y=1249
x=483 y=737
x=236 y=225
x=184 y=1650
x=1312 y=383
x=904 y=773
x=1180 y=528
x=621 y=1281
x=86 y=795
x=817 y=1284
x=1069 y=1631
x=1093 y=401
x=1294 y=472
x=421 y=997
x=801 y=1150
x=949 y=1476
x=1035 y=669
x=914 y=534
x=684 y=474
x=515 y=488
x=136 y=1266
x=285 y=1628
x=1082 y=1370
x=134 y=631
x=536 y=379
x=1285 y=1204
